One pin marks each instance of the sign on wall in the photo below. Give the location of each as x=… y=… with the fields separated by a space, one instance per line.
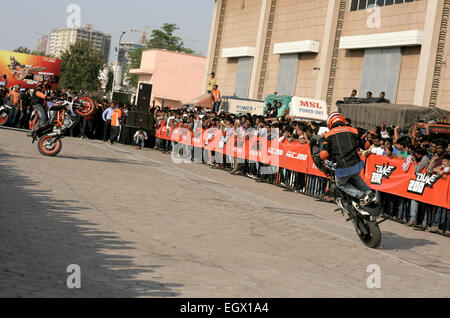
x=309 y=108
x=238 y=106
x=28 y=70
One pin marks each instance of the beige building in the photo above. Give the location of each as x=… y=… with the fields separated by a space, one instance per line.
x=61 y=40
x=324 y=49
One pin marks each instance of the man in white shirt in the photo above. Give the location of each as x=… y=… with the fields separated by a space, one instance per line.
x=107 y=114
x=139 y=139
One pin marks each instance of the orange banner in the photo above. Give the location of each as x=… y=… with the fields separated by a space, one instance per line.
x=28 y=70
x=381 y=173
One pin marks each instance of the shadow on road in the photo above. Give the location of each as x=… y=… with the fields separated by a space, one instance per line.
x=108 y=160
x=393 y=241
x=40 y=237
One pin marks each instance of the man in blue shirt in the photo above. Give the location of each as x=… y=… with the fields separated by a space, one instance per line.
x=107 y=114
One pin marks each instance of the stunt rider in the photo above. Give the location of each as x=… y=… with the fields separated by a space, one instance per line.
x=39 y=97
x=341 y=145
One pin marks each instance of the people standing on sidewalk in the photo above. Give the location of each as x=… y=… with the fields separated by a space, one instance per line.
x=14 y=102
x=211 y=82
x=25 y=109
x=107 y=114
x=217 y=98
x=116 y=119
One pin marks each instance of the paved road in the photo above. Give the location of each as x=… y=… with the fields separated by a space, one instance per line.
x=139 y=225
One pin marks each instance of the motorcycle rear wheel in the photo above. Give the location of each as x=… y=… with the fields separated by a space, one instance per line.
x=3 y=120
x=49 y=148
x=368 y=231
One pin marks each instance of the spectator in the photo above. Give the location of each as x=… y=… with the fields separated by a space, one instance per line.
x=107 y=115
x=139 y=139
x=382 y=98
x=25 y=109
x=116 y=119
x=87 y=127
x=212 y=82
x=369 y=94
x=14 y=101
x=217 y=98
x=375 y=147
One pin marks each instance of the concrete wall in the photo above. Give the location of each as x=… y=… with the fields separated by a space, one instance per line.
x=297 y=20
x=175 y=76
x=240 y=29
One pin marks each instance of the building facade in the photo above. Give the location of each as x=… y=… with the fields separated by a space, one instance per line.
x=123 y=63
x=325 y=49
x=61 y=40
x=176 y=78
x=42 y=44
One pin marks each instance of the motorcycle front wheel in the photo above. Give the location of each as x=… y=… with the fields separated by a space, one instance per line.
x=84 y=106
x=368 y=231
x=49 y=146
x=3 y=119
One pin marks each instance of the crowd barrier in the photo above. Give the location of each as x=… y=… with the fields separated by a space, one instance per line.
x=381 y=173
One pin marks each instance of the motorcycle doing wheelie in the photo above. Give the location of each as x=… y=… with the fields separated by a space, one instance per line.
x=364 y=218
x=62 y=116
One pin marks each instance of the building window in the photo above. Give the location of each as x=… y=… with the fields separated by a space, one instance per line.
x=364 y=4
x=287 y=74
x=381 y=72
x=243 y=74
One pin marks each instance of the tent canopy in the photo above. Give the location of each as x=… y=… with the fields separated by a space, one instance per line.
x=202 y=101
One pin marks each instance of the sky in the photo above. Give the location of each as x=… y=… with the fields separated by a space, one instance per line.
x=193 y=17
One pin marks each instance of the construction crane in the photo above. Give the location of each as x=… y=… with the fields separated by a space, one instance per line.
x=143 y=39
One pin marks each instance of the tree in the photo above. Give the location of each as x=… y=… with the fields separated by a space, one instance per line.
x=40 y=53
x=23 y=50
x=80 y=69
x=162 y=38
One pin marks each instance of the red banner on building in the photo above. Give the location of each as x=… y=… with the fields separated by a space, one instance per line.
x=28 y=70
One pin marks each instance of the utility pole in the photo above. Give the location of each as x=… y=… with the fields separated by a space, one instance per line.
x=117 y=62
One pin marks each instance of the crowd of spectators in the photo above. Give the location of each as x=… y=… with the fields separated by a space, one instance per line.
x=418 y=152
x=429 y=153
x=104 y=124
x=369 y=99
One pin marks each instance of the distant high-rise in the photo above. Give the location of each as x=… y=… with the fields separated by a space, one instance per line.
x=61 y=40
x=42 y=44
x=120 y=67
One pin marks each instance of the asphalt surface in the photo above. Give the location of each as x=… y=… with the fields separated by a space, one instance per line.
x=139 y=225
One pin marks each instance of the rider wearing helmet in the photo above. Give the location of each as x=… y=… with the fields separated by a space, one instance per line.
x=39 y=97
x=341 y=144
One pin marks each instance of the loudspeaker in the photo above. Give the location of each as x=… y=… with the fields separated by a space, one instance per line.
x=140 y=120
x=131 y=118
x=145 y=94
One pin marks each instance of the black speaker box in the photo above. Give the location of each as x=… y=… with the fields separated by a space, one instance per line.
x=144 y=97
x=140 y=120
